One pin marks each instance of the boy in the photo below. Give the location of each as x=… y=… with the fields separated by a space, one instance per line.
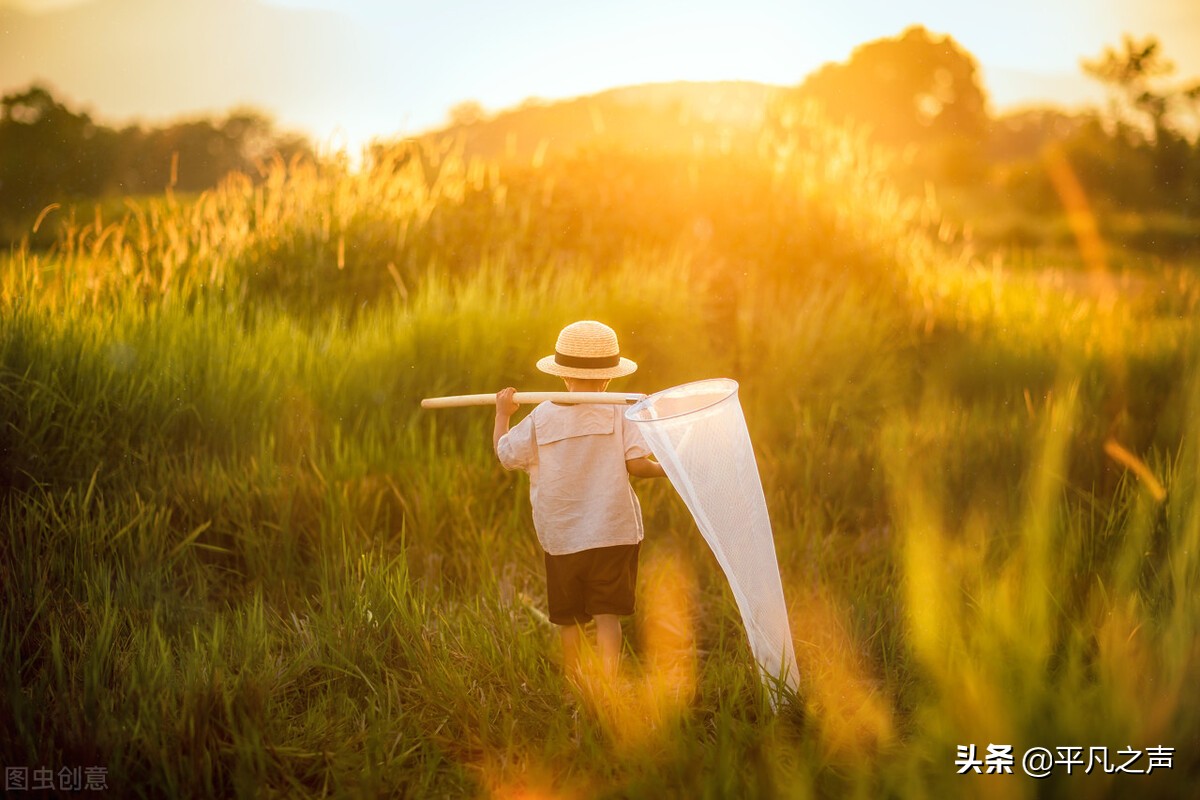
x=579 y=458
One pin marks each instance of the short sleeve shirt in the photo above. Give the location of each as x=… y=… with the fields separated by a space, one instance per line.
x=578 y=483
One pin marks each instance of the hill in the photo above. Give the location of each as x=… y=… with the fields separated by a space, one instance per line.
x=680 y=117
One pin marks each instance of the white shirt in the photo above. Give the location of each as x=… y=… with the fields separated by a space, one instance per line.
x=578 y=483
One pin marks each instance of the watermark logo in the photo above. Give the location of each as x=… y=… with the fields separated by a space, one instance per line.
x=46 y=779
x=1041 y=762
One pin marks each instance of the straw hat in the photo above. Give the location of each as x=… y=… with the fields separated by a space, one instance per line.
x=587 y=349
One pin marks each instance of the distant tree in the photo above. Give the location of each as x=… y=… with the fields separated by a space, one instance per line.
x=195 y=154
x=910 y=89
x=1153 y=119
x=1130 y=75
x=468 y=112
x=916 y=90
x=1023 y=134
x=48 y=152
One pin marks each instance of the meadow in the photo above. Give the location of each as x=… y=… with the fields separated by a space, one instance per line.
x=239 y=560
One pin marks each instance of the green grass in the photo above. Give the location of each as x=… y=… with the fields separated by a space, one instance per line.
x=240 y=561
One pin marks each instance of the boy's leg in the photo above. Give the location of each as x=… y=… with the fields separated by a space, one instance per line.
x=611 y=588
x=608 y=638
x=570 y=644
x=564 y=591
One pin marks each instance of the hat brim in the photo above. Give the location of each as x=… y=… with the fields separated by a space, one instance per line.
x=549 y=366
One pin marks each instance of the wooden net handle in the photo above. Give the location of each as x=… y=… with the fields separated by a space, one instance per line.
x=533 y=398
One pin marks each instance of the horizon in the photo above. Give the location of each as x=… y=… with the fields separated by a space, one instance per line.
x=346 y=73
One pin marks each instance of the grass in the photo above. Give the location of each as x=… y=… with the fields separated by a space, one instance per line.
x=240 y=561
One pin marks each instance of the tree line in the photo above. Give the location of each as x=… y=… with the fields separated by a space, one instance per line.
x=50 y=153
x=921 y=93
x=917 y=93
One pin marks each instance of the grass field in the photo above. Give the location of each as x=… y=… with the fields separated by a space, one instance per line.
x=239 y=560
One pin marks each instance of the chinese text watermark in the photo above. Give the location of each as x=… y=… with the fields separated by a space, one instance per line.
x=1041 y=762
x=47 y=779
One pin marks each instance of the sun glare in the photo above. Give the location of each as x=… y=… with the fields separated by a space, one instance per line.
x=952 y=506
x=351 y=67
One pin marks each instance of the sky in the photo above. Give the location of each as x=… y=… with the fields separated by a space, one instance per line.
x=344 y=71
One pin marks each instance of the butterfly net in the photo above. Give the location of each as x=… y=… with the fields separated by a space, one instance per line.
x=698 y=433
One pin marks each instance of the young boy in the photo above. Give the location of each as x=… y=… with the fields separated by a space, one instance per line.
x=586 y=515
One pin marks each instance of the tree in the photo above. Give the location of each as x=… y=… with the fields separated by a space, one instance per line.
x=916 y=92
x=915 y=88
x=48 y=152
x=1153 y=119
x=1133 y=76
x=466 y=113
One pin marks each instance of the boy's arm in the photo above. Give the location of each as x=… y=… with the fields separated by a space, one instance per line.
x=645 y=467
x=505 y=408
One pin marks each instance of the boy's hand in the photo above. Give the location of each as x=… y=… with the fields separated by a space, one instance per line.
x=505 y=405
x=645 y=468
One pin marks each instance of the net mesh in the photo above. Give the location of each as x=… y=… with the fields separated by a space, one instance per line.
x=698 y=433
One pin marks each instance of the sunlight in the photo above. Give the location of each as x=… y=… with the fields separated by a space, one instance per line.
x=243 y=554
x=1081 y=219
x=852 y=710
x=325 y=66
x=641 y=707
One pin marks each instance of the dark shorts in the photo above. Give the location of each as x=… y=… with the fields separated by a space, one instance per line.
x=598 y=581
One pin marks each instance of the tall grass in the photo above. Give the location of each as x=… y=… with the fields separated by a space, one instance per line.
x=239 y=560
